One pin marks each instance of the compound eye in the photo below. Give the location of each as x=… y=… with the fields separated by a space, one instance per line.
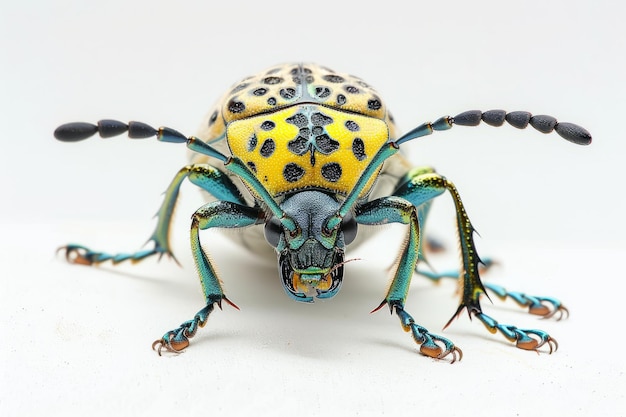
x=349 y=228
x=273 y=230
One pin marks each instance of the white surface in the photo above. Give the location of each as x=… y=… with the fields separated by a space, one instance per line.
x=76 y=340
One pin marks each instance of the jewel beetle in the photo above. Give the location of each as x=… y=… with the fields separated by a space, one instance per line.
x=304 y=159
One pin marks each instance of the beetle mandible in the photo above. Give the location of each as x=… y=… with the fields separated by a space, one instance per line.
x=302 y=156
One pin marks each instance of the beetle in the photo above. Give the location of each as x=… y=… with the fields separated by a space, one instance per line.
x=301 y=157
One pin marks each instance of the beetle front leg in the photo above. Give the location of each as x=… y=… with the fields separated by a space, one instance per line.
x=223 y=214
x=397 y=210
x=204 y=176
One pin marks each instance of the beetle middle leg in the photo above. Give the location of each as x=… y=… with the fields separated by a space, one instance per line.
x=421 y=189
x=404 y=188
x=538 y=305
x=222 y=214
x=204 y=176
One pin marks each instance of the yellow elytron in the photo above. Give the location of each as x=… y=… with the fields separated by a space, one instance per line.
x=309 y=154
x=307 y=146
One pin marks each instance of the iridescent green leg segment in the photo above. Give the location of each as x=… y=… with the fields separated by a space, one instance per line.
x=422 y=212
x=454 y=274
x=223 y=214
x=204 y=176
x=398 y=210
x=429 y=342
x=546 y=307
x=521 y=337
x=423 y=187
x=178 y=339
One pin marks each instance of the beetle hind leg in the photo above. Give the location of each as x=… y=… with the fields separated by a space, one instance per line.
x=436 y=276
x=81 y=255
x=204 y=176
x=546 y=307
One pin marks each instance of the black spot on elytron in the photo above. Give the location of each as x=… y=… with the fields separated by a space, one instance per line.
x=268 y=125
x=287 y=93
x=307 y=70
x=298 y=119
x=363 y=84
x=352 y=89
x=294 y=71
x=272 y=80
x=309 y=79
x=352 y=126
x=213 y=118
x=322 y=92
x=236 y=106
x=333 y=78
x=239 y=88
x=252 y=141
x=317 y=130
x=358 y=148
x=268 y=148
x=298 y=145
x=319 y=119
x=374 y=104
x=341 y=99
x=293 y=172
x=252 y=166
x=297 y=80
x=271 y=101
x=331 y=171
x=260 y=91
x=326 y=144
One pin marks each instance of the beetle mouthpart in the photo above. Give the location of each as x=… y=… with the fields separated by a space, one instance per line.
x=302 y=286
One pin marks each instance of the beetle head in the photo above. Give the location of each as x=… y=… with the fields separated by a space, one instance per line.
x=311 y=258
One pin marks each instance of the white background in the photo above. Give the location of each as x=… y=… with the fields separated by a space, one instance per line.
x=77 y=340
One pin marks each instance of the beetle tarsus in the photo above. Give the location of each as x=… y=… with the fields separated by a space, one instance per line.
x=81 y=255
x=546 y=307
x=526 y=339
x=431 y=345
x=177 y=340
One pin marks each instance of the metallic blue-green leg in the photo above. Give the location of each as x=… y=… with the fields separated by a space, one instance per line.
x=454 y=273
x=204 y=176
x=223 y=214
x=397 y=210
x=403 y=189
x=406 y=189
x=543 y=306
x=521 y=337
x=427 y=186
x=546 y=307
